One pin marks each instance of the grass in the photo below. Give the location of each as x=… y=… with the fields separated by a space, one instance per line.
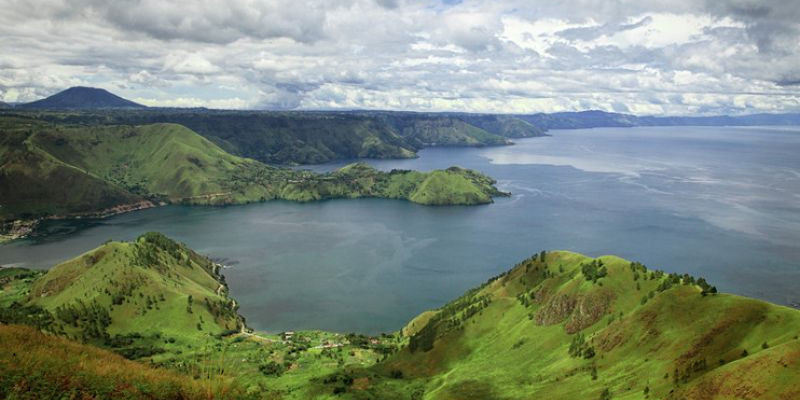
x=558 y=325
x=38 y=366
x=513 y=350
x=58 y=170
x=286 y=138
x=143 y=295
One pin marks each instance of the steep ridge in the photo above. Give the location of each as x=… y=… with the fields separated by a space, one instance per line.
x=562 y=325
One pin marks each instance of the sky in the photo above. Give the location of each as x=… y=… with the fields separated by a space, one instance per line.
x=646 y=57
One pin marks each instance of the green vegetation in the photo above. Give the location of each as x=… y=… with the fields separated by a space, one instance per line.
x=312 y=137
x=38 y=366
x=558 y=325
x=568 y=326
x=57 y=170
x=138 y=288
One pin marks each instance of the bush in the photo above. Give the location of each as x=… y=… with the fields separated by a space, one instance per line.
x=271 y=369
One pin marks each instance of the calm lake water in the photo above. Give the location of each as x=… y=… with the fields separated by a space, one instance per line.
x=722 y=203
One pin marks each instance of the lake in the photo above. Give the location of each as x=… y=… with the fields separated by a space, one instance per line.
x=718 y=202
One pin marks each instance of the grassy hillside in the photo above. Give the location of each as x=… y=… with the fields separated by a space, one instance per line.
x=315 y=137
x=59 y=170
x=152 y=286
x=503 y=125
x=426 y=130
x=38 y=366
x=440 y=187
x=568 y=326
x=155 y=301
x=34 y=183
x=558 y=325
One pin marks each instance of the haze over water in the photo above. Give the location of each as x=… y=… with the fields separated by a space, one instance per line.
x=717 y=202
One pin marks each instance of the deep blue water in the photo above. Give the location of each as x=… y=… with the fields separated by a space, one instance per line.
x=719 y=202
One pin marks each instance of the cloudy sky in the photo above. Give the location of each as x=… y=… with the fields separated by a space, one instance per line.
x=673 y=57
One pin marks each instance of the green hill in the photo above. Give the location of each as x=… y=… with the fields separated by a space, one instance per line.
x=440 y=187
x=150 y=298
x=426 y=130
x=558 y=325
x=315 y=136
x=59 y=170
x=566 y=326
x=152 y=286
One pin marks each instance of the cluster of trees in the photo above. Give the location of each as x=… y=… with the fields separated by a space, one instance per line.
x=578 y=347
x=272 y=368
x=135 y=345
x=449 y=318
x=220 y=309
x=35 y=316
x=669 y=281
x=684 y=374
x=152 y=244
x=594 y=270
x=92 y=319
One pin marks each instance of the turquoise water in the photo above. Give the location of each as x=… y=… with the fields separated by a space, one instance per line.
x=722 y=203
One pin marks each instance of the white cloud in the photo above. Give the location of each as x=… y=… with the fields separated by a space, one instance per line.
x=646 y=56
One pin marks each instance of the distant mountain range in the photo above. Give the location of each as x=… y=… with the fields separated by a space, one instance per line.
x=511 y=126
x=82 y=98
x=600 y=119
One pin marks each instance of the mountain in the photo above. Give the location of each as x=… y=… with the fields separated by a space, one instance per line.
x=151 y=297
x=562 y=326
x=601 y=119
x=4 y=105
x=150 y=286
x=558 y=325
x=80 y=97
x=61 y=170
x=158 y=302
x=313 y=137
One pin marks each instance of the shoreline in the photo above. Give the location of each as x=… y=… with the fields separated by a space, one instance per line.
x=22 y=228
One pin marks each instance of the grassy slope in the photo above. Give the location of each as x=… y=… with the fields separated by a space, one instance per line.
x=271 y=137
x=454 y=186
x=508 y=350
x=161 y=159
x=508 y=339
x=34 y=183
x=318 y=137
x=168 y=275
x=234 y=362
x=451 y=132
x=503 y=125
x=38 y=366
x=71 y=169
